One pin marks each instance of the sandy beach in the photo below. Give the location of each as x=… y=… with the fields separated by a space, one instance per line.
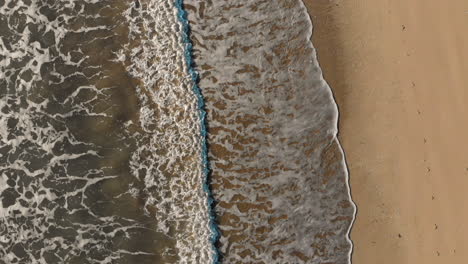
x=398 y=72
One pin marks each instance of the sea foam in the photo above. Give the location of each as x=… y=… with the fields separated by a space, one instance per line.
x=100 y=142
x=278 y=171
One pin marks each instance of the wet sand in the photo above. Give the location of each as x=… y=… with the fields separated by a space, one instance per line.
x=398 y=71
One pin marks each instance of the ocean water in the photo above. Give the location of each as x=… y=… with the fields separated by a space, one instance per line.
x=103 y=151
x=279 y=176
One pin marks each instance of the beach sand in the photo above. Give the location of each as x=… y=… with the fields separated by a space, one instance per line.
x=398 y=70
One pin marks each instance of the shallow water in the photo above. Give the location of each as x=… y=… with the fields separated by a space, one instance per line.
x=102 y=145
x=279 y=175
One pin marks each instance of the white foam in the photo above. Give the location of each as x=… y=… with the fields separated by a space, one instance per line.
x=253 y=56
x=54 y=189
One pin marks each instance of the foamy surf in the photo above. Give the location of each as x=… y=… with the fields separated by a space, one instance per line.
x=102 y=155
x=279 y=175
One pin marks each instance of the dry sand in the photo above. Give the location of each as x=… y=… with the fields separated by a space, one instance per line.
x=399 y=71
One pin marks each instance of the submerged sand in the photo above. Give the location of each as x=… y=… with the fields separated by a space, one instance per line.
x=398 y=71
x=278 y=175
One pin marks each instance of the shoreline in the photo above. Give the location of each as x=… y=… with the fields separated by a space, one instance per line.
x=337 y=137
x=396 y=70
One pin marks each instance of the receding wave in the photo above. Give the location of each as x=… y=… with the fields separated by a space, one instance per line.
x=279 y=175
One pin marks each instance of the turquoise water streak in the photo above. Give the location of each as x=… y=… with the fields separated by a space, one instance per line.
x=182 y=15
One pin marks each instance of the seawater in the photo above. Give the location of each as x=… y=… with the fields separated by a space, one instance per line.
x=106 y=149
x=101 y=151
x=278 y=171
